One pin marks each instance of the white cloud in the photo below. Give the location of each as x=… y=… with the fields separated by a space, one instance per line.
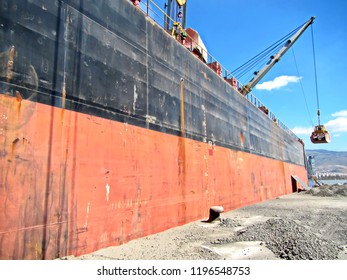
x=333 y=126
x=337 y=125
x=278 y=82
x=302 y=130
x=342 y=113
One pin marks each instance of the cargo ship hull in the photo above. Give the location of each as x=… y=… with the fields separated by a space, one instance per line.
x=111 y=130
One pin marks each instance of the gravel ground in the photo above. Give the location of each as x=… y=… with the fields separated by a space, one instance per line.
x=288 y=239
x=300 y=226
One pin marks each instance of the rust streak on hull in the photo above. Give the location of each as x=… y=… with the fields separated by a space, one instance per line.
x=106 y=157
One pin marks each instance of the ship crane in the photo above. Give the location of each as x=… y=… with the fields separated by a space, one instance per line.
x=319 y=135
x=274 y=59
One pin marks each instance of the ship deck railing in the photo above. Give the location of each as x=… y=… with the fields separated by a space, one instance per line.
x=159 y=16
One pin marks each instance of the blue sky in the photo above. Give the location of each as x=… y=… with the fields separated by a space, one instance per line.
x=234 y=31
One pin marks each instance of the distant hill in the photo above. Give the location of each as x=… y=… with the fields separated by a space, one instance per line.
x=329 y=161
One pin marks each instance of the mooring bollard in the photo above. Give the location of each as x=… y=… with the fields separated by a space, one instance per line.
x=215 y=213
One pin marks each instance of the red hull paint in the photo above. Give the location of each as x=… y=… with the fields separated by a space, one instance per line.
x=72 y=183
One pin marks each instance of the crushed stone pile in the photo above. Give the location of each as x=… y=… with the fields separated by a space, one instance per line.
x=229 y=223
x=329 y=190
x=288 y=240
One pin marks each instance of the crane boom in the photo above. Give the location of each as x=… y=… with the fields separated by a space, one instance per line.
x=274 y=59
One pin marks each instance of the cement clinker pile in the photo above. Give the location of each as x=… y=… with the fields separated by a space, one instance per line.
x=329 y=190
x=289 y=240
x=306 y=235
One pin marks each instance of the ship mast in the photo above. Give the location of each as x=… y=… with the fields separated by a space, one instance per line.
x=275 y=58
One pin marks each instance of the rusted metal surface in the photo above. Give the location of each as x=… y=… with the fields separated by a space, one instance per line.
x=101 y=142
x=6 y=63
x=58 y=198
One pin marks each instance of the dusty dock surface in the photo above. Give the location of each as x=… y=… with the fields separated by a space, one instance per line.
x=305 y=225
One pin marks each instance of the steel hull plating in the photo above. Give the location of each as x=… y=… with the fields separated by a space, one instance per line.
x=111 y=130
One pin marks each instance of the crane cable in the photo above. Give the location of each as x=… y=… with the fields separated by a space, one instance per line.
x=302 y=88
x=315 y=75
x=262 y=56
